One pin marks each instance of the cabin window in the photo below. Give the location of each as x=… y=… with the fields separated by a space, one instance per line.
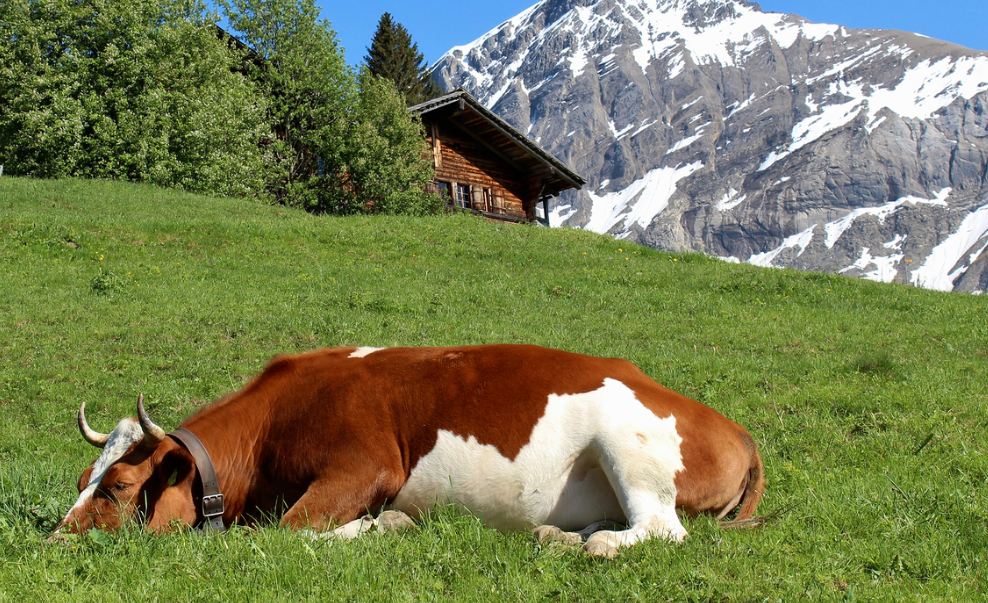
x=444 y=190
x=469 y=196
x=482 y=199
x=462 y=198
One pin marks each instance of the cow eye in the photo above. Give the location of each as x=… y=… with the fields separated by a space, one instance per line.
x=118 y=486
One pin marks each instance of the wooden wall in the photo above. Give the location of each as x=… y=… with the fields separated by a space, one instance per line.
x=464 y=160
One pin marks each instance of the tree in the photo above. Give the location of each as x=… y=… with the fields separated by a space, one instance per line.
x=388 y=168
x=146 y=90
x=343 y=143
x=298 y=67
x=142 y=90
x=394 y=56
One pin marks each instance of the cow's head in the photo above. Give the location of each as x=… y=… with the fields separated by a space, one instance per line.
x=141 y=474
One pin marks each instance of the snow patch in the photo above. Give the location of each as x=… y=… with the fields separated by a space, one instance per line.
x=691 y=103
x=800 y=240
x=639 y=202
x=740 y=107
x=922 y=91
x=836 y=228
x=810 y=129
x=895 y=243
x=618 y=133
x=578 y=62
x=874 y=124
x=728 y=202
x=885 y=266
x=933 y=273
x=685 y=142
x=559 y=214
x=644 y=126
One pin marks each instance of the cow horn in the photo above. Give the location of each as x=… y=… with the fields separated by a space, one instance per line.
x=153 y=435
x=95 y=438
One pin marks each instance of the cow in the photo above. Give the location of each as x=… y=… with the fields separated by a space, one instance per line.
x=523 y=437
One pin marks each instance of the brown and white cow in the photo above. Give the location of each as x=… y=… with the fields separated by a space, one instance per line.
x=520 y=436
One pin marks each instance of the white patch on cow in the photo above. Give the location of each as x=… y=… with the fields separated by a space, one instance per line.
x=363 y=351
x=127 y=433
x=593 y=456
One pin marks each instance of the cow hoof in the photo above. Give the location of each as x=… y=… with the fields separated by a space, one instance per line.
x=554 y=534
x=394 y=521
x=602 y=544
x=676 y=535
x=351 y=530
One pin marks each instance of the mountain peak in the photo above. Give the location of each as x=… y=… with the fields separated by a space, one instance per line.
x=715 y=126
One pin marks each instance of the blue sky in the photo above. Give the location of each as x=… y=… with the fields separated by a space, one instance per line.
x=438 y=25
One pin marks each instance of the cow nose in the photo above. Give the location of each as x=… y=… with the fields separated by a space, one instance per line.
x=62 y=532
x=67 y=527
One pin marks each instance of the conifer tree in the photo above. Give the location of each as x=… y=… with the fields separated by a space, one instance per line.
x=394 y=56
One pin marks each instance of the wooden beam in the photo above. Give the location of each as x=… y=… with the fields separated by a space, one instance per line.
x=437 y=149
x=522 y=143
x=489 y=146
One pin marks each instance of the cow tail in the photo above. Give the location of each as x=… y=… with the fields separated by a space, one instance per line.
x=753 y=489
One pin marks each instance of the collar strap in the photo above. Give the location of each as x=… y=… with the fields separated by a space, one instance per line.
x=212 y=499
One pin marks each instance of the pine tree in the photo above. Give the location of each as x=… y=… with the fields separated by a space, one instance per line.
x=394 y=56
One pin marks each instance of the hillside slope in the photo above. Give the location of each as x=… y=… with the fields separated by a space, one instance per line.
x=751 y=136
x=867 y=400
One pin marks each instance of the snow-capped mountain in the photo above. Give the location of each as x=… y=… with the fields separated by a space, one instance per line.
x=752 y=136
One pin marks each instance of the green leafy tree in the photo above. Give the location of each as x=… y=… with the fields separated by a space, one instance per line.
x=134 y=89
x=387 y=165
x=300 y=69
x=145 y=90
x=394 y=56
x=344 y=143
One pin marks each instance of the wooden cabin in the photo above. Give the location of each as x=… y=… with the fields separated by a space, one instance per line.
x=485 y=166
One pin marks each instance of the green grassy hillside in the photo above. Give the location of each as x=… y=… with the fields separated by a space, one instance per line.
x=868 y=400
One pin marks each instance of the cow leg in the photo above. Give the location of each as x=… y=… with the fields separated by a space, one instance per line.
x=554 y=534
x=641 y=461
x=353 y=529
x=339 y=501
x=665 y=524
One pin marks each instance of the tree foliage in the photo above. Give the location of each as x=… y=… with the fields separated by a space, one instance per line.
x=146 y=90
x=142 y=90
x=388 y=165
x=394 y=56
x=344 y=141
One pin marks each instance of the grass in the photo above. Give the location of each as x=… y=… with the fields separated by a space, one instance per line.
x=868 y=400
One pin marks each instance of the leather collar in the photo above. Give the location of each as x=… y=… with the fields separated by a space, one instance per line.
x=212 y=499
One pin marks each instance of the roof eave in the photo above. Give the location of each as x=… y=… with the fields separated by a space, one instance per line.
x=555 y=166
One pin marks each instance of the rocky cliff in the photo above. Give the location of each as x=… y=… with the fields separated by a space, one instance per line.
x=751 y=136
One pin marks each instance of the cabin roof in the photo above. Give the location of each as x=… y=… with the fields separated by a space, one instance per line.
x=463 y=111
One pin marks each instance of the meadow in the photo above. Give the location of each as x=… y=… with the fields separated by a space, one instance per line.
x=868 y=400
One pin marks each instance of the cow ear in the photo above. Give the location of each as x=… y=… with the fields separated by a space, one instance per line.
x=84 y=478
x=168 y=493
x=174 y=468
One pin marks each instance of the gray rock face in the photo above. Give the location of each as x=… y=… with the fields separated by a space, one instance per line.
x=751 y=136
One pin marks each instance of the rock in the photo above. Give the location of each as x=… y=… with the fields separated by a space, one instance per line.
x=762 y=137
